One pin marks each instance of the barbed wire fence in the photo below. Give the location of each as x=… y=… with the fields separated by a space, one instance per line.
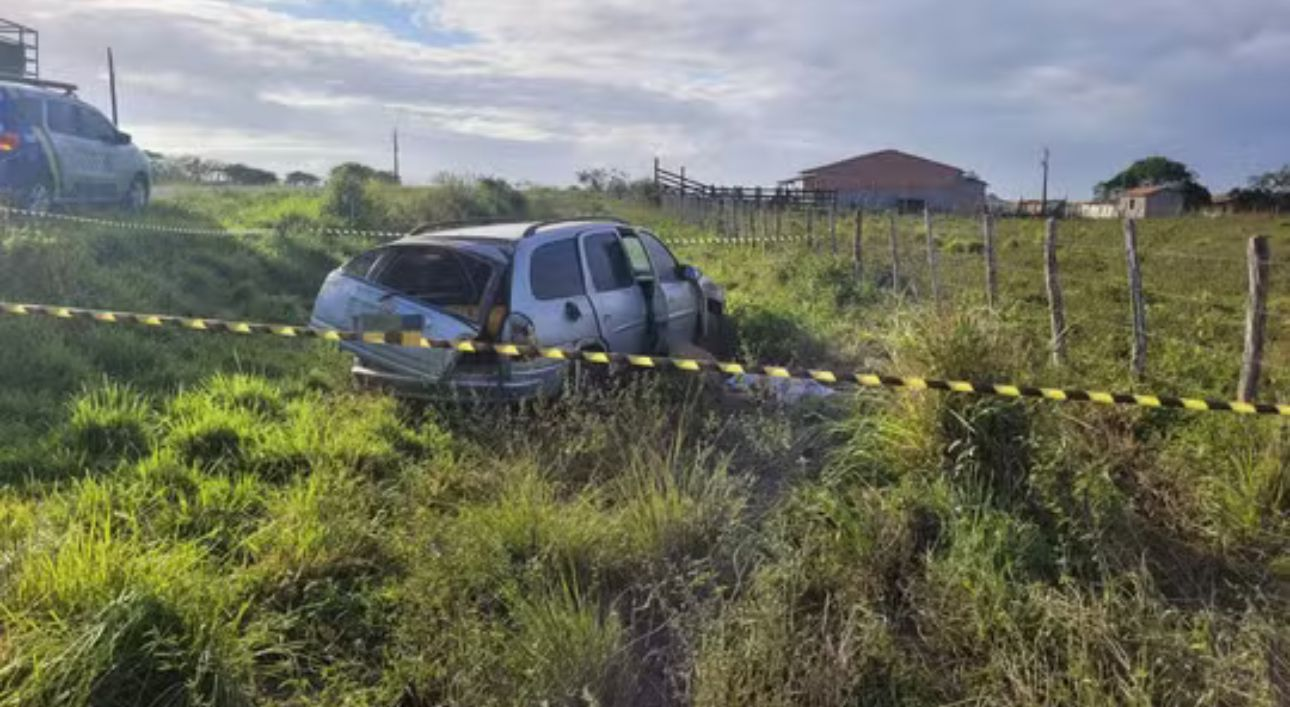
x=907 y=252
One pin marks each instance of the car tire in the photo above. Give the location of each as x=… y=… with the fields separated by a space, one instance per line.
x=136 y=197
x=581 y=376
x=39 y=197
x=720 y=339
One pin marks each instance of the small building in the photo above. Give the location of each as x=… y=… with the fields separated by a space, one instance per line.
x=1053 y=208
x=891 y=179
x=1152 y=202
x=1096 y=209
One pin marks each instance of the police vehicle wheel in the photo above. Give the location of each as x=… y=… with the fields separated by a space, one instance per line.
x=39 y=198
x=136 y=199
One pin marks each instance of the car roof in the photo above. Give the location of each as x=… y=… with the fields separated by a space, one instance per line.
x=19 y=87
x=509 y=232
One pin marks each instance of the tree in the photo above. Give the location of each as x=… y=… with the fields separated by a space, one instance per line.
x=244 y=175
x=1155 y=171
x=347 y=194
x=602 y=180
x=302 y=179
x=1276 y=182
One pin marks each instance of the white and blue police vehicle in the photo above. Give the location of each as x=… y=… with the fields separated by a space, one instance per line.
x=56 y=150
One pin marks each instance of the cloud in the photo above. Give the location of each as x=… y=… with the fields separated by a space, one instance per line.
x=743 y=91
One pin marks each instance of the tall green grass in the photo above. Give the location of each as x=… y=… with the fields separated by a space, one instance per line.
x=200 y=520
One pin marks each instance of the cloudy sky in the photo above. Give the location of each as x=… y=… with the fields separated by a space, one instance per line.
x=739 y=92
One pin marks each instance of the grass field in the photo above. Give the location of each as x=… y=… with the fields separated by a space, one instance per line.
x=188 y=519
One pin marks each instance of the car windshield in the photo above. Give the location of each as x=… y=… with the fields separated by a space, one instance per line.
x=449 y=279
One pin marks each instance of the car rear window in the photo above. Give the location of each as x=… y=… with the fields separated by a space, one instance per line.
x=554 y=271
x=439 y=276
x=362 y=264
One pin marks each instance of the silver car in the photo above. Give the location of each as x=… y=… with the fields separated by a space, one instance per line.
x=588 y=284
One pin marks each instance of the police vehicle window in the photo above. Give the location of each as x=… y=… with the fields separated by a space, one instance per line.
x=360 y=266
x=63 y=117
x=636 y=256
x=436 y=276
x=94 y=126
x=610 y=269
x=663 y=259
x=555 y=272
x=30 y=111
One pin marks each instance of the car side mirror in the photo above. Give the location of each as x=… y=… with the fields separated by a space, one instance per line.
x=688 y=272
x=123 y=138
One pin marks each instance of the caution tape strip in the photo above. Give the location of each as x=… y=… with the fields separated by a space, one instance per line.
x=660 y=363
x=131 y=225
x=742 y=241
x=164 y=228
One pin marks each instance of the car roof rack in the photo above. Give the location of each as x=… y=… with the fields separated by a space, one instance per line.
x=67 y=88
x=439 y=225
x=533 y=228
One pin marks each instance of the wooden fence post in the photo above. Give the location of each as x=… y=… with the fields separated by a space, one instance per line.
x=810 y=225
x=857 y=248
x=1056 y=307
x=1256 y=317
x=833 y=226
x=991 y=261
x=895 y=254
x=932 y=259
x=1138 y=362
x=736 y=203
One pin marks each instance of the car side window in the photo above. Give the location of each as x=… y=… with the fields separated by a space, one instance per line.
x=93 y=126
x=636 y=256
x=664 y=262
x=63 y=118
x=30 y=111
x=554 y=271
x=610 y=268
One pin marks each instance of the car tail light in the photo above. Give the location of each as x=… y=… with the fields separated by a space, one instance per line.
x=10 y=142
x=519 y=329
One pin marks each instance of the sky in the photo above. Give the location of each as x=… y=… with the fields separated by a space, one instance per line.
x=745 y=92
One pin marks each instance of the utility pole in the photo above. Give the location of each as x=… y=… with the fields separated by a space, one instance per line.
x=1043 y=199
x=112 y=86
x=396 y=154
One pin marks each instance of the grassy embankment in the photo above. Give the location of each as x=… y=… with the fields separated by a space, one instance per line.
x=209 y=520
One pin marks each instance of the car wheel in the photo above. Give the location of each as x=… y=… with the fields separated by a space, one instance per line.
x=39 y=198
x=720 y=338
x=136 y=198
x=581 y=376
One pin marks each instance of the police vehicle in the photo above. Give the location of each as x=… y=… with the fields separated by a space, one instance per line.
x=57 y=150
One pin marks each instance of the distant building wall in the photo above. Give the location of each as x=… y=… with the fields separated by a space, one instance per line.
x=966 y=197
x=1097 y=209
x=1160 y=204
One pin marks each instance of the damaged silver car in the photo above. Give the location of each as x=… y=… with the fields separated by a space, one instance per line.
x=591 y=284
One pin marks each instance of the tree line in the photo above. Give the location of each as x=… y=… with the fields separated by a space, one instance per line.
x=1269 y=191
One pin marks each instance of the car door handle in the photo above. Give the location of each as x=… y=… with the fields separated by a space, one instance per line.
x=571 y=312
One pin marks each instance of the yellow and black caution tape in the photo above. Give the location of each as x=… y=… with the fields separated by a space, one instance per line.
x=745 y=241
x=132 y=225
x=659 y=363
